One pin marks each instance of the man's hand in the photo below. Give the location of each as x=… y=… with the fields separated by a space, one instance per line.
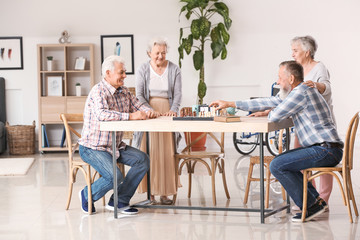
x=260 y=114
x=220 y=104
x=170 y=114
x=138 y=115
x=153 y=114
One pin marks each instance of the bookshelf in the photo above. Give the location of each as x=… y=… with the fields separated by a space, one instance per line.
x=57 y=88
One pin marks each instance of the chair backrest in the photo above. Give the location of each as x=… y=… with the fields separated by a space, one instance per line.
x=128 y=134
x=70 y=131
x=191 y=142
x=347 y=159
x=132 y=90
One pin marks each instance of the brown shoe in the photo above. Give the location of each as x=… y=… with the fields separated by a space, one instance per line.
x=164 y=200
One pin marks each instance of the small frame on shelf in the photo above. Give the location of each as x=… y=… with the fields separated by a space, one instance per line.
x=80 y=63
x=11 y=53
x=121 y=45
x=54 y=86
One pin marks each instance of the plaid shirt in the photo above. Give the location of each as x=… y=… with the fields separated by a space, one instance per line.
x=310 y=113
x=105 y=103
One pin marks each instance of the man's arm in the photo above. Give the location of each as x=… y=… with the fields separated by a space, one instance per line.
x=292 y=104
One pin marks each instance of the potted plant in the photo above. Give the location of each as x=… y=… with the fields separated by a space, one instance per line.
x=78 y=89
x=49 y=63
x=203 y=32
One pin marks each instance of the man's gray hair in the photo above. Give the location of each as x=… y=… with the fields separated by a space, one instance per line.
x=295 y=69
x=308 y=43
x=108 y=64
x=157 y=41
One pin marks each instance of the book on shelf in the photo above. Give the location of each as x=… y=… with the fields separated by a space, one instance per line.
x=227 y=119
x=45 y=140
x=63 y=138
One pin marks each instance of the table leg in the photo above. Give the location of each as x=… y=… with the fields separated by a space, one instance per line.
x=148 y=173
x=262 y=207
x=288 y=148
x=115 y=174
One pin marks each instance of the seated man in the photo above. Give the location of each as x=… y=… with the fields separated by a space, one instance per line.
x=315 y=130
x=110 y=100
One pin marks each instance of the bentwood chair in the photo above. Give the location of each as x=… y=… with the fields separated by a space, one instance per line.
x=75 y=163
x=267 y=160
x=341 y=172
x=191 y=158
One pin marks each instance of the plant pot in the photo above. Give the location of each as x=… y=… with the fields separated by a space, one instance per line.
x=49 y=65
x=200 y=145
x=78 y=91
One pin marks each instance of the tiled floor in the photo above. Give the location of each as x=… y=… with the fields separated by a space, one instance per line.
x=33 y=207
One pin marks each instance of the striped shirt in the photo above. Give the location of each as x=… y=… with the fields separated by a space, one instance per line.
x=310 y=113
x=105 y=103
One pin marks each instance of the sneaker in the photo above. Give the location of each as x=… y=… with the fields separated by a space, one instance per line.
x=324 y=204
x=125 y=208
x=313 y=211
x=84 y=203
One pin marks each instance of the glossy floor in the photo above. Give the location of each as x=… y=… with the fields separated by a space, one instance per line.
x=33 y=207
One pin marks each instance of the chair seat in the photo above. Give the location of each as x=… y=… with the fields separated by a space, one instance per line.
x=256 y=159
x=201 y=154
x=79 y=163
x=326 y=169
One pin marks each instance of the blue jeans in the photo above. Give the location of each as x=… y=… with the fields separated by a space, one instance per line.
x=287 y=168
x=102 y=162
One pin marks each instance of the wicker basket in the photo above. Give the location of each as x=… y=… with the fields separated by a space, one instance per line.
x=21 y=139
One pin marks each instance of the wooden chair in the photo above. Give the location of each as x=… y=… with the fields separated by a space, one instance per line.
x=343 y=169
x=76 y=164
x=191 y=158
x=267 y=160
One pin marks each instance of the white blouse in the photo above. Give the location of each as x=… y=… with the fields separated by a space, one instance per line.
x=159 y=84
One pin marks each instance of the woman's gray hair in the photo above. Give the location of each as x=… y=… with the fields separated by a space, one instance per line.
x=157 y=41
x=308 y=43
x=108 y=64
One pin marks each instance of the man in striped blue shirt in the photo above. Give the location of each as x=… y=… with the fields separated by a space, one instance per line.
x=315 y=129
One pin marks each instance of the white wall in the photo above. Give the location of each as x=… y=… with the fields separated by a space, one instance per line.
x=260 y=37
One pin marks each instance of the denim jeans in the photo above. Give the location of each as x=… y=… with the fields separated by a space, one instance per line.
x=287 y=168
x=102 y=162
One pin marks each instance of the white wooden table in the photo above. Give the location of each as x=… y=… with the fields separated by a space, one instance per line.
x=165 y=124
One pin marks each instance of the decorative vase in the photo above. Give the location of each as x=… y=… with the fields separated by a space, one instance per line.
x=78 y=91
x=49 y=65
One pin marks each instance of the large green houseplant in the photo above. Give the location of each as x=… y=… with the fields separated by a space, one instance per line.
x=202 y=32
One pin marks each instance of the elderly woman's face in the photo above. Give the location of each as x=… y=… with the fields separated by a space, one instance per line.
x=298 y=53
x=158 y=54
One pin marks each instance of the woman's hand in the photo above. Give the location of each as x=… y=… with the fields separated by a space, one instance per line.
x=153 y=114
x=310 y=83
x=170 y=114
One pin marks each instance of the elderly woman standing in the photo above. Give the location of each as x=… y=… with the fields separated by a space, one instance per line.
x=317 y=76
x=158 y=84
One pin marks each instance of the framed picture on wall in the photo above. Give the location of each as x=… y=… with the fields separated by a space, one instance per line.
x=121 y=45
x=11 y=53
x=54 y=86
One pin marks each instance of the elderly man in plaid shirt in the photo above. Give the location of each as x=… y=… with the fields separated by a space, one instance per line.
x=110 y=100
x=315 y=129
